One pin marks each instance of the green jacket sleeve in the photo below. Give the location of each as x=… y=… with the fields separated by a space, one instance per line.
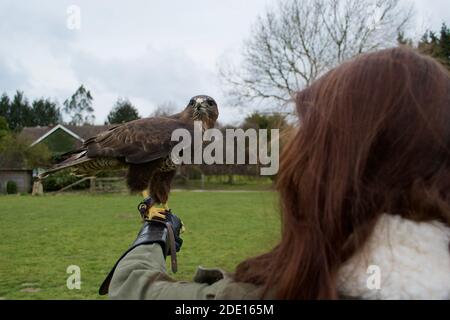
x=141 y=274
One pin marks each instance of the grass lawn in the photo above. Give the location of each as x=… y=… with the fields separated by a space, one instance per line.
x=41 y=236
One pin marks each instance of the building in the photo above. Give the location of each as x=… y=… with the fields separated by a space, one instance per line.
x=21 y=176
x=59 y=140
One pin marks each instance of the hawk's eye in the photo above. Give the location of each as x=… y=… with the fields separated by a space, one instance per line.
x=210 y=103
x=191 y=103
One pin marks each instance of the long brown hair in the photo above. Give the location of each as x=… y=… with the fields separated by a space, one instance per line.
x=374 y=138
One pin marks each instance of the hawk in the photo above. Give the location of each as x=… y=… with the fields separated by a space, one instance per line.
x=143 y=147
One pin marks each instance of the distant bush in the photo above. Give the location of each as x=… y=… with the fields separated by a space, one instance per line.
x=62 y=179
x=11 y=187
x=15 y=152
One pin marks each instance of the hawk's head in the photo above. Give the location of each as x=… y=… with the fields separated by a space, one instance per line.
x=203 y=108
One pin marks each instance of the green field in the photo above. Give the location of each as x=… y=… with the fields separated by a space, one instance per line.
x=41 y=236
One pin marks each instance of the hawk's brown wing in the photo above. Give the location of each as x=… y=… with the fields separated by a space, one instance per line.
x=138 y=141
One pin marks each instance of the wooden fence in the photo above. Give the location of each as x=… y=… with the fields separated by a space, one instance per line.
x=101 y=185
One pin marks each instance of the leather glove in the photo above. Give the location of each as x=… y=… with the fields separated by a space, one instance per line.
x=164 y=232
x=177 y=227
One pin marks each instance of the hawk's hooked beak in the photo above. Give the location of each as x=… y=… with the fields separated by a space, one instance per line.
x=201 y=107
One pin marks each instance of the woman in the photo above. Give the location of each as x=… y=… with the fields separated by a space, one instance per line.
x=365 y=195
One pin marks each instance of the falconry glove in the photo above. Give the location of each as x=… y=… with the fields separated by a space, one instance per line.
x=165 y=232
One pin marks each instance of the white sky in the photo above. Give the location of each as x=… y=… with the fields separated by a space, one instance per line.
x=151 y=51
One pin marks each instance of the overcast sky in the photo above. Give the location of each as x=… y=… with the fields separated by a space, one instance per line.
x=151 y=52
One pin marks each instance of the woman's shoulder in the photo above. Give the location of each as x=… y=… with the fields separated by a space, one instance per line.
x=402 y=259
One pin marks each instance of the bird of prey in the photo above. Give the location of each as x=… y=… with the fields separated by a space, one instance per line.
x=142 y=146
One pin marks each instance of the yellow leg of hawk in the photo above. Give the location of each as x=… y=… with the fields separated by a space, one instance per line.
x=154 y=211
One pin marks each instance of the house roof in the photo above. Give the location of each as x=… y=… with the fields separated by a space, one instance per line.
x=37 y=134
x=53 y=130
x=88 y=131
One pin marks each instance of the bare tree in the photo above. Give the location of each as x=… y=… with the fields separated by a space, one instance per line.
x=164 y=109
x=299 y=40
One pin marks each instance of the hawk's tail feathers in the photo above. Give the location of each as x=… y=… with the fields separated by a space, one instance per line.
x=72 y=161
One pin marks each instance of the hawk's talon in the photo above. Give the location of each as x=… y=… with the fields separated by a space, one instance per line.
x=155 y=213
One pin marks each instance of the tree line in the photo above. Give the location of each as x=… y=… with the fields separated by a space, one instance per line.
x=435 y=44
x=19 y=112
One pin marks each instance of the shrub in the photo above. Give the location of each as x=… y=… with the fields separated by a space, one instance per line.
x=11 y=187
x=62 y=179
